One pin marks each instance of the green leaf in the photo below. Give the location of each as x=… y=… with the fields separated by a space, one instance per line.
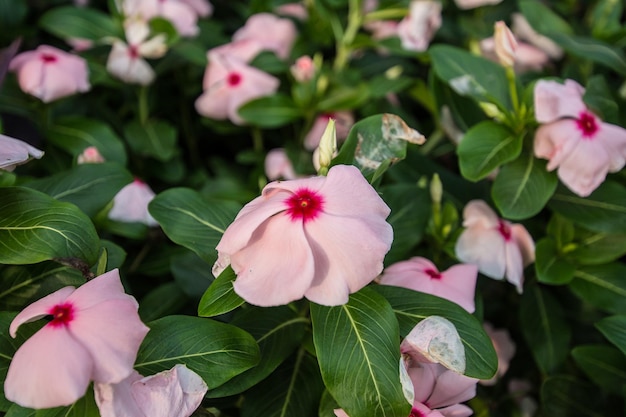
x=592 y=49
x=165 y=299
x=35 y=227
x=471 y=75
x=605 y=18
x=542 y=18
x=215 y=351
x=410 y=210
x=90 y=186
x=604 y=365
x=74 y=134
x=294 y=389
x=550 y=265
x=191 y=273
x=154 y=138
x=598 y=248
x=375 y=140
x=270 y=112
x=278 y=332
x=485 y=147
x=192 y=221
x=544 y=328
x=21 y=285
x=220 y=297
x=613 y=329
x=85 y=407
x=566 y=396
x=523 y=187
x=79 y=22
x=603 y=211
x=411 y=307
x=344 y=98
x=561 y=230
x=357 y=347
x=603 y=286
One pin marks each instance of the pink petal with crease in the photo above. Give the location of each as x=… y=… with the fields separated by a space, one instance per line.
x=116 y=400
x=554 y=100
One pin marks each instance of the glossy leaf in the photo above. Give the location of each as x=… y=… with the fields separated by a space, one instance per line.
x=566 y=396
x=79 y=23
x=598 y=248
x=545 y=329
x=604 y=365
x=278 y=332
x=155 y=138
x=542 y=18
x=613 y=329
x=220 y=297
x=592 y=49
x=358 y=349
x=74 y=134
x=90 y=187
x=35 y=227
x=344 y=98
x=603 y=211
x=523 y=187
x=375 y=140
x=471 y=75
x=550 y=265
x=191 y=273
x=85 y=407
x=165 y=299
x=294 y=389
x=485 y=147
x=192 y=221
x=270 y=112
x=215 y=351
x=411 y=307
x=603 y=286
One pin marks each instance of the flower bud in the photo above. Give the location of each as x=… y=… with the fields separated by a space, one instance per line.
x=91 y=155
x=506 y=44
x=304 y=69
x=328 y=146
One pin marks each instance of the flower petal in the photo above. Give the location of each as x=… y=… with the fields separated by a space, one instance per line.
x=451 y=388
x=485 y=248
x=39 y=308
x=556 y=141
x=276 y=267
x=585 y=168
x=116 y=400
x=477 y=212
x=51 y=369
x=554 y=100
x=614 y=140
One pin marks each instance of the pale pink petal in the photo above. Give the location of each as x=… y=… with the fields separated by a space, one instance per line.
x=50 y=369
x=477 y=212
x=278 y=165
x=348 y=255
x=56 y=83
x=211 y=103
x=514 y=266
x=272 y=32
x=182 y=16
x=130 y=204
x=30 y=77
x=312 y=138
x=244 y=50
x=14 y=152
x=254 y=84
x=116 y=400
x=585 y=168
x=277 y=265
x=554 y=100
x=524 y=242
x=613 y=138
x=39 y=308
x=456 y=410
x=297 y=10
x=523 y=30
x=505 y=349
x=471 y=4
x=484 y=248
x=423 y=376
x=458 y=284
x=418 y=28
x=201 y=7
x=529 y=58
x=451 y=388
x=340 y=413
x=555 y=141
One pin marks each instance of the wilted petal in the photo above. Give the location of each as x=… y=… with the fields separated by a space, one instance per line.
x=50 y=369
x=418 y=28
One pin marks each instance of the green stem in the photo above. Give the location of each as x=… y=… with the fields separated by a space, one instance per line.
x=432 y=142
x=257 y=140
x=510 y=76
x=143 y=105
x=345 y=39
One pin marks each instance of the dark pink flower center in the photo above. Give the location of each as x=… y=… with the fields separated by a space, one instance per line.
x=587 y=124
x=504 y=229
x=48 y=58
x=133 y=51
x=233 y=79
x=416 y=413
x=62 y=314
x=305 y=204
x=432 y=274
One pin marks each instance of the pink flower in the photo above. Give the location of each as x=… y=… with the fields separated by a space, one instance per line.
x=505 y=349
x=523 y=31
x=418 y=28
x=472 y=4
x=320 y=237
x=130 y=204
x=14 y=152
x=49 y=73
x=94 y=335
x=91 y=155
x=573 y=139
x=499 y=249
x=126 y=60
x=343 y=123
x=278 y=165
x=271 y=32
x=527 y=57
x=228 y=84
x=505 y=44
x=456 y=284
x=174 y=393
x=303 y=70
x=183 y=14
x=382 y=29
x=295 y=10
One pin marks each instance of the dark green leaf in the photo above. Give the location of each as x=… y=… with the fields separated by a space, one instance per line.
x=84 y=407
x=613 y=329
x=192 y=273
x=191 y=220
x=603 y=286
x=357 y=347
x=544 y=328
x=278 y=332
x=566 y=396
x=542 y=18
x=603 y=211
x=344 y=98
x=35 y=227
x=523 y=187
x=90 y=186
x=220 y=297
x=604 y=365
x=411 y=307
x=485 y=147
x=270 y=112
x=592 y=49
x=550 y=265
x=154 y=138
x=215 y=351
x=79 y=23
x=163 y=300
